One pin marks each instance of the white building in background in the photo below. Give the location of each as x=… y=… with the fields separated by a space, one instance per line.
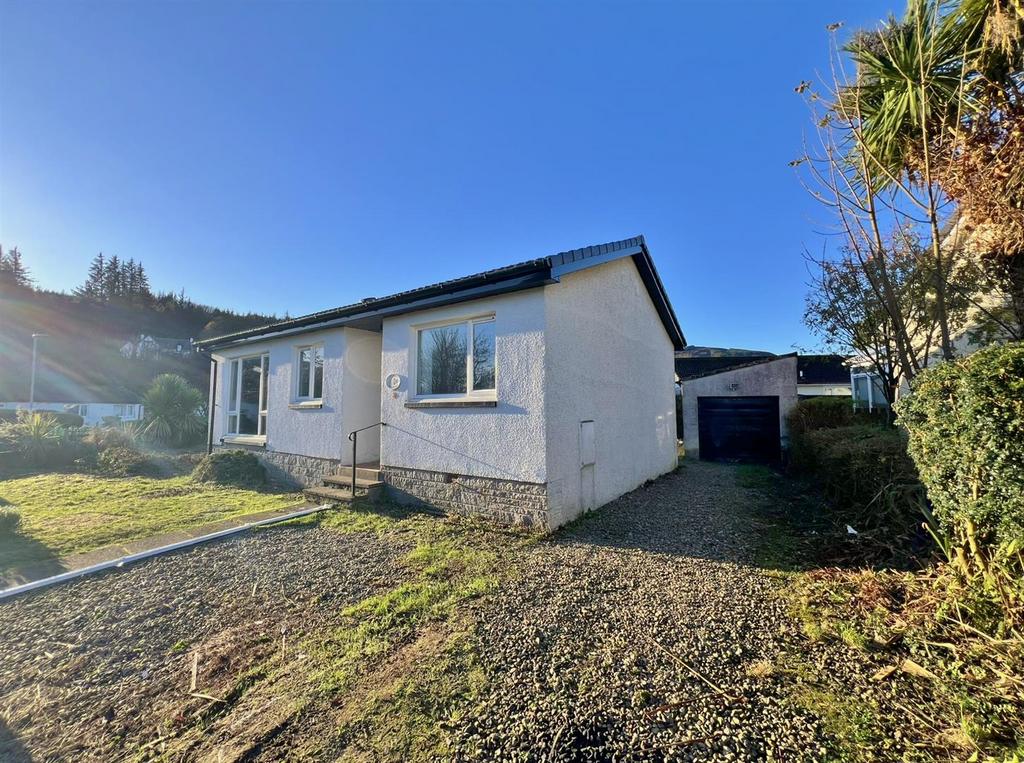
x=93 y=414
x=528 y=394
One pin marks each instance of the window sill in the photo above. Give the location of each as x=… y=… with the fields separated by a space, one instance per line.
x=452 y=404
x=303 y=405
x=237 y=439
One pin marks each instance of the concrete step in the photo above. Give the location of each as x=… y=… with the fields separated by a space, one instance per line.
x=362 y=472
x=333 y=494
x=345 y=480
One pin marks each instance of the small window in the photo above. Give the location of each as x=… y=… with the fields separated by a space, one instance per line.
x=248 y=380
x=311 y=373
x=456 y=359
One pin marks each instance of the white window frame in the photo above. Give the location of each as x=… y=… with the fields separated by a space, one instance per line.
x=306 y=396
x=262 y=397
x=470 y=393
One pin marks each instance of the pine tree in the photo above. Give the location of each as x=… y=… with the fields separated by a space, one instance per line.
x=143 y=282
x=131 y=285
x=12 y=270
x=112 y=278
x=93 y=286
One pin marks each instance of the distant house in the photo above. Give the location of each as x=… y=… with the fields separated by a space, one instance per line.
x=822 y=375
x=93 y=414
x=527 y=394
x=148 y=346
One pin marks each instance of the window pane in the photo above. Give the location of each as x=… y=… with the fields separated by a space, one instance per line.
x=318 y=372
x=305 y=361
x=483 y=355
x=232 y=424
x=265 y=372
x=233 y=389
x=441 y=361
x=248 y=409
x=263 y=423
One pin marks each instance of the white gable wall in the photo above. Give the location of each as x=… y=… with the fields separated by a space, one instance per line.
x=504 y=442
x=609 y=360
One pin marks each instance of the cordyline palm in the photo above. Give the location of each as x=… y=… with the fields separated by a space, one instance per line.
x=928 y=90
x=909 y=87
x=173 y=410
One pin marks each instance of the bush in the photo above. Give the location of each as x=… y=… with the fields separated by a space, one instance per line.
x=102 y=438
x=174 y=413
x=820 y=413
x=868 y=478
x=122 y=462
x=71 y=420
x=231 y=467
x=36 y=437
x=10 y=522
x=966 y=425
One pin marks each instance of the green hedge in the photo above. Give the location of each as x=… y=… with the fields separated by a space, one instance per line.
x=966 y=425
x=820 y=413
x=865 y=473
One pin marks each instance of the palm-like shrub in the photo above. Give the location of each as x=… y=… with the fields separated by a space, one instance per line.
x=173 y=411
x=35 y=436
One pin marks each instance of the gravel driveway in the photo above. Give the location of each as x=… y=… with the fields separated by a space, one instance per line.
x=89 y=664
x=641 y=633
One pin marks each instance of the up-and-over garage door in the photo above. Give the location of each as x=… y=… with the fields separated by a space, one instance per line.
x=739 y=428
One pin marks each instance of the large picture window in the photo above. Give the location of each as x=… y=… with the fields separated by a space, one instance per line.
x=247 y=395
x=311 y=373
x=456 y=359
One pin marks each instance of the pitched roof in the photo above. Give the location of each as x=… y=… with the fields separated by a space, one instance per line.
x=695 y=368
x=369 y=313
x=822 y=369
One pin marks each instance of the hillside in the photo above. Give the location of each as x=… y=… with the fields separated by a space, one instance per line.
x=80 y=359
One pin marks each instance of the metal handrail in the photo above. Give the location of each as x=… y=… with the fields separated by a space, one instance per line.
x=353 y=436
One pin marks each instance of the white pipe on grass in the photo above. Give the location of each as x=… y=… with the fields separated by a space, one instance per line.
x=122 y=561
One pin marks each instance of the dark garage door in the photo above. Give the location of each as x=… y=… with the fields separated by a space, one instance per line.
x=739 y=428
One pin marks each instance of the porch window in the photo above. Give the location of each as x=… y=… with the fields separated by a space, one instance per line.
x=311 y=373
x=456 y=359
x=247 y=395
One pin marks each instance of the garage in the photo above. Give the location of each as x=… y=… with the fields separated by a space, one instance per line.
x=734 y=408
x=744 y=429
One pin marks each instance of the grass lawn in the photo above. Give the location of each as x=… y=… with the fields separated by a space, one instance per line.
x=63 y=514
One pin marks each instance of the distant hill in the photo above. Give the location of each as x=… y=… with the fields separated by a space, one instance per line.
x=80 y=359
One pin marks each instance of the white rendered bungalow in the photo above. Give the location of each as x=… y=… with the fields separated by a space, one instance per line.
x=528 y=394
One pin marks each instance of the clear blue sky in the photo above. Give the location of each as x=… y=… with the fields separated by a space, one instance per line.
x=298 y=156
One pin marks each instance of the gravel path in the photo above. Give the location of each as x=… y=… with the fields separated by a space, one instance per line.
x=641 y=634
x=106 y=658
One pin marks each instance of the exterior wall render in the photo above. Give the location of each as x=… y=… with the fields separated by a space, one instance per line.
x=351 y=396
x=503 y=442
x=609 y=360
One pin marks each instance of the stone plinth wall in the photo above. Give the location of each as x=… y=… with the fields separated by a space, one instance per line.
x=290 y=469
x=522 y=504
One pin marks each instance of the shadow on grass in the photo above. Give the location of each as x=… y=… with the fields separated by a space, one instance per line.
x=23 y=559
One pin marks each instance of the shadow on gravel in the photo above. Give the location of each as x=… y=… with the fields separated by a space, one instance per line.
x=11 y=749
x=690 y=513
x=749 y=515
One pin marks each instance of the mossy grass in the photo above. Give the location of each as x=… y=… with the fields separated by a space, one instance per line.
x=64 y=514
